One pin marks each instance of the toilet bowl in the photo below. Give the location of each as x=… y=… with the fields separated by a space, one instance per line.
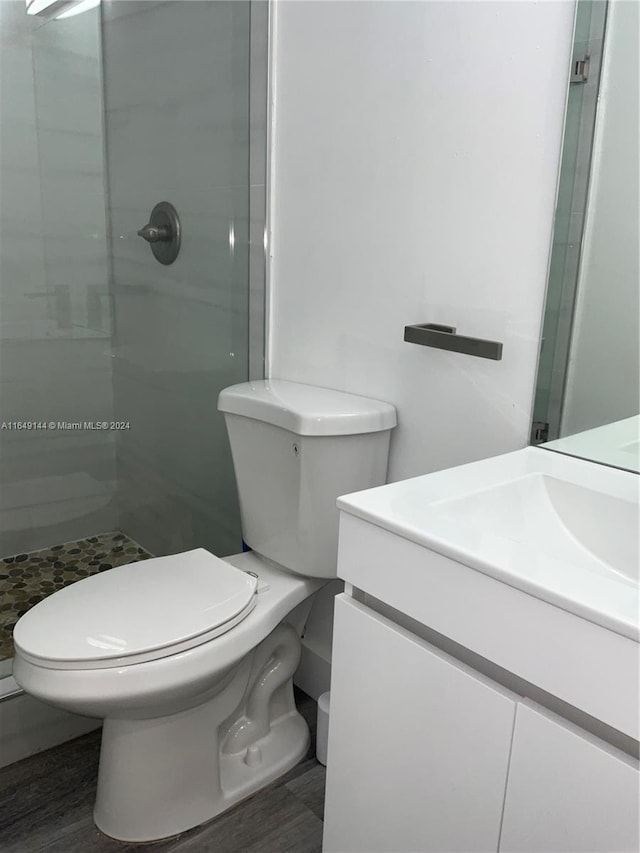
x=187 y=732
x=189 y=658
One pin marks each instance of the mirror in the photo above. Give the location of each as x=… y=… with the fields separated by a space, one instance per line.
x=587 y=396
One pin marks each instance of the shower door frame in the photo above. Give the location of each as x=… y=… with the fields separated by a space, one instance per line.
x=259 y=161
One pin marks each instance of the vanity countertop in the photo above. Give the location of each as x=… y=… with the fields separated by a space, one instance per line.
x=561 y=529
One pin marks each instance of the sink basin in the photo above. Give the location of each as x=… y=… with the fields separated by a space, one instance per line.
x=556 y=518
x=563 y=529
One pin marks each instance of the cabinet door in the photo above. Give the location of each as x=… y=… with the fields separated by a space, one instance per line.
x=568 y=791
x=418 y=744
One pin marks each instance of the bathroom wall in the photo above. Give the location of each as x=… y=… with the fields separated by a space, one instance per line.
x=415 y=157
x=606 y=340
x=55 y=355
x=177 y=114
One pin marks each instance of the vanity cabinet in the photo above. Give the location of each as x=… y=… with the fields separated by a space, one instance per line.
x=486 y=662
x=426 y=754
x=418 y=744
x=568 y=791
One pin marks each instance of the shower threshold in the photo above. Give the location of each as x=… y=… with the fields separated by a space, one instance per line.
x=25 y=579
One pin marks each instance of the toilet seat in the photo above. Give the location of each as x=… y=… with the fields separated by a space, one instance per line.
x=135 y=613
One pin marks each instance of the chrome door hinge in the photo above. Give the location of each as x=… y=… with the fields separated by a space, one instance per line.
x=580 y=68
x=539 y=432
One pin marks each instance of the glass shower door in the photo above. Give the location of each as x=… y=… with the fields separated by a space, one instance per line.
x=176 y=80
x=57 y=475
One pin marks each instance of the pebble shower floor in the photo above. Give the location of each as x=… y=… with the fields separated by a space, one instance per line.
x=25 y=579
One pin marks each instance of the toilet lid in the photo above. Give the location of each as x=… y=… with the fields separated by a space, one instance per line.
x=126 y=613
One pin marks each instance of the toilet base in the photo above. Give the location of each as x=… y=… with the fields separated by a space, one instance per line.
x=163 y=802
x=162 y=776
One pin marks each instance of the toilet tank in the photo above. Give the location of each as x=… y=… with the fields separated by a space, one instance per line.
x=295 y=449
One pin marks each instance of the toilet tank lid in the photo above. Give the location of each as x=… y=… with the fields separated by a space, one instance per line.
x=306 y=409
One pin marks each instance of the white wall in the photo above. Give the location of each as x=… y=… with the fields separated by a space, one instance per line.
x=415 y=156
x=602 y=381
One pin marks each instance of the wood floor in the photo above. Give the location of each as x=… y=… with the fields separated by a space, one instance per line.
x=46 y=804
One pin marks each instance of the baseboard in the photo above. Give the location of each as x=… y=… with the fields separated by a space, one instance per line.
x=313 y=675
x=28 y=726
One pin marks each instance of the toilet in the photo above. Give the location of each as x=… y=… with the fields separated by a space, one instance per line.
x=189 y=659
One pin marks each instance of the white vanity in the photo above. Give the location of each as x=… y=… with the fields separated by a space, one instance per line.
x=485 y=684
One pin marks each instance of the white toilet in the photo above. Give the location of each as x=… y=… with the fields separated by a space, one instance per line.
x=189 y=658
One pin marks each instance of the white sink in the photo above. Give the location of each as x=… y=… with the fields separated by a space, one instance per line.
x=556 y=518
x=560 y=528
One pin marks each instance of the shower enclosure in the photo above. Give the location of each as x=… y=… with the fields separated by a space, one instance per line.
x=111 y=447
